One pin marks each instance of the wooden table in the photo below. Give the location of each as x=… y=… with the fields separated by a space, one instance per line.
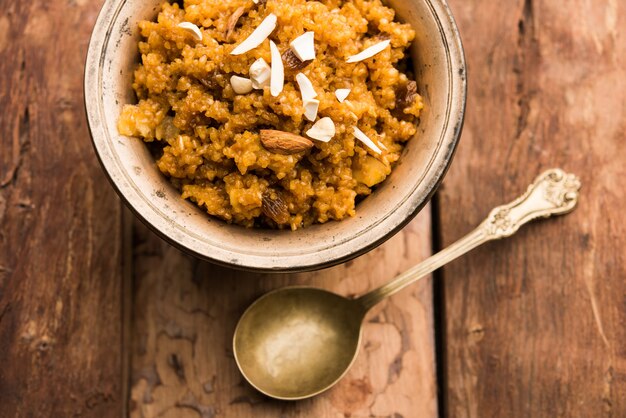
x=99 y=318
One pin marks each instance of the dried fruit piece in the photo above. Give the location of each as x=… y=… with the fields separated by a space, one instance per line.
x=232 y=22
x=292 y=62
x=370 y=52
x=191 y=29
x=275 y=207
x=323 y=130
x=406 y=96
x=277 y=74
x=208 y=80
x=284 y=143
x=257 y=37
x=304 y=46
x=241 y=85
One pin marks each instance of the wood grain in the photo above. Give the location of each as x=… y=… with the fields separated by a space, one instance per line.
x=534 y=326
x=60 y=258
x=185 y=312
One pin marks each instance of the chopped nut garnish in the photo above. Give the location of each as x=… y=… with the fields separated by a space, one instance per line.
x=277 y=75
x=360 y=135
x=342 y=94
x=306 y=87
x=311 y=107
x=241 y=85
x=406 y=96
x=292 y=62
x=275 y=207
x=260 y=74
x=370 y=52
x=192 y=29
x=232 y=22
x=257 y=37
x=284 y=143
x=304 y=46
x=323 y=130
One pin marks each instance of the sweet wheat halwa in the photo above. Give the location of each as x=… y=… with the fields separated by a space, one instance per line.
x=208 y=139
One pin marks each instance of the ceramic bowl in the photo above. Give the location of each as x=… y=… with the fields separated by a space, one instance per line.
x=440 y=70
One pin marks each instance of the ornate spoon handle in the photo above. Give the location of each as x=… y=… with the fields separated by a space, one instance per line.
x=554 y=192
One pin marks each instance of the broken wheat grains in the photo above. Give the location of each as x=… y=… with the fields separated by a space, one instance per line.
x=210 y=135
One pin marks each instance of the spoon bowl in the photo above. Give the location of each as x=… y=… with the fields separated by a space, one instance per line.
x=296 y=342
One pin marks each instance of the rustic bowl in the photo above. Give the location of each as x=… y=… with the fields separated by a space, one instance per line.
x=440 y=71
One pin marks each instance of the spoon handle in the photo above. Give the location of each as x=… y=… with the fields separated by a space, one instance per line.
x=552 y=193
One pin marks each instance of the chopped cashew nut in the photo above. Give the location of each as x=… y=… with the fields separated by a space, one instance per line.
x=323 y=130
x=260 y=73
x=241 y=85
x=304 y=46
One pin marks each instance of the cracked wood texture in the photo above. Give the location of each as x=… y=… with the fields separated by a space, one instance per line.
x=535 y=326
x=530 y=327
x=60 y=235
x=185 y=312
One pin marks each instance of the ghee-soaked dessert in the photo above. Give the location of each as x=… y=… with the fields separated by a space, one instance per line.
x=276 y=113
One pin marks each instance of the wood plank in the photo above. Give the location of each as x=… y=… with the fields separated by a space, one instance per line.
x=534 y=326
x=185 y=312
x=60 y=242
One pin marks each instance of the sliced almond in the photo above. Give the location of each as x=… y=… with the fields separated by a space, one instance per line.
x=311 y=107
x=370 y=52
x=232 y=22
x=342 y=94
x=306 y=87
x=360 y=135
x=257 y=37
x=192 y=29
x=241 y=85
x=292 y=62
x=323 y=130
x=260 y=74
x=284 y=143
x=304 y=46
x=275 y=207
x=277 y=76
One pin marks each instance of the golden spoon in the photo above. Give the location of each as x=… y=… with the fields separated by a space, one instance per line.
x=297 y=342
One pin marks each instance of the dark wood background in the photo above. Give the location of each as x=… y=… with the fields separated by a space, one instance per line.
x=100 y=318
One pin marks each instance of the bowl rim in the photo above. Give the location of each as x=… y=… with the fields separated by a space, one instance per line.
x=451 y=132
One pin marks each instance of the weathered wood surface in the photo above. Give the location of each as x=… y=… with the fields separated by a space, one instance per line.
x=60 y=242
x=532 y=327
x=536 y=326
x=185 y=312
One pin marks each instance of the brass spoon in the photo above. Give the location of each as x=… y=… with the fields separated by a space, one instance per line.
x=297 y=342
